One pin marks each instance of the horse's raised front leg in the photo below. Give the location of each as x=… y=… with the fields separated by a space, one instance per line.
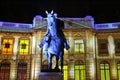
x=40 y=46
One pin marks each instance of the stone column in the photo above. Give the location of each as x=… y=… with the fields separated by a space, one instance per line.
x=13 y=70
x=113 y=70
x=16 y=42
x=71 y=58
x=37 y=57
x=90 y=63
x=33 y=44
x=111 y=49
x=71 y=70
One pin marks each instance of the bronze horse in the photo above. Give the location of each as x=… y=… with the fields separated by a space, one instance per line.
x=55 y=40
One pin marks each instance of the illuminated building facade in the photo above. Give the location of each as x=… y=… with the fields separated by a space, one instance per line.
x=94 y=50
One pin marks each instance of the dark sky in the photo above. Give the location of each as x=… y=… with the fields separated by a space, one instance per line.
x=23 y=11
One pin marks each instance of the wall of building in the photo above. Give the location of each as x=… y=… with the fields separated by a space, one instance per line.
x=98 y=48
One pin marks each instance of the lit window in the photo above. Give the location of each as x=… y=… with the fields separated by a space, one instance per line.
x=79 y=46
x=118 y=70
x=24 y=47
x=80 y=72
x=104 y=71
x=7 y=46
x=65 y=72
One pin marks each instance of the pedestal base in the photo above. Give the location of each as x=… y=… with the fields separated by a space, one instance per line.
x=47 y=74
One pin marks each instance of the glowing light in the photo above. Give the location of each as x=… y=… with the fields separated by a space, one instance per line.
x=65 y=73
x=80 y=72
x=15 y=24
x=24 y=47
x=107 y=26
x=7 y=46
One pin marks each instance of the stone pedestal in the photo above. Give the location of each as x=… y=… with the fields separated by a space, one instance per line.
x=47 y=74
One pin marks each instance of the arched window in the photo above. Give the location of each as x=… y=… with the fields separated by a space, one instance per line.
x=80 y=73
x=118 y=70
x=4 y=70
x=22 y=71
x=104 y=71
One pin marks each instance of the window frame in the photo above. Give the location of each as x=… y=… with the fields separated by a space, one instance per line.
x=11 y=45
x=80 y=64
x=106 y=69
x=80 y=45
x=20 y=45
x=22 y=70
x=104 y=50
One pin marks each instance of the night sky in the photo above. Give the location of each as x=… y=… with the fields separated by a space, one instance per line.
x=23 y=11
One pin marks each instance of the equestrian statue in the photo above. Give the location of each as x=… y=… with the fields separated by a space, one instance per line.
x=54 y=40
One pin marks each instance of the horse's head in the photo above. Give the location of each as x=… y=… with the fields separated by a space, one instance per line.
x=51 y=20
x=51 y=17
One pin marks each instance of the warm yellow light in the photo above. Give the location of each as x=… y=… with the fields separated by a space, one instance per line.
x=118 y=72
x=24 y=47
x=7 y=46
x=80 y=72
x=65 y=73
